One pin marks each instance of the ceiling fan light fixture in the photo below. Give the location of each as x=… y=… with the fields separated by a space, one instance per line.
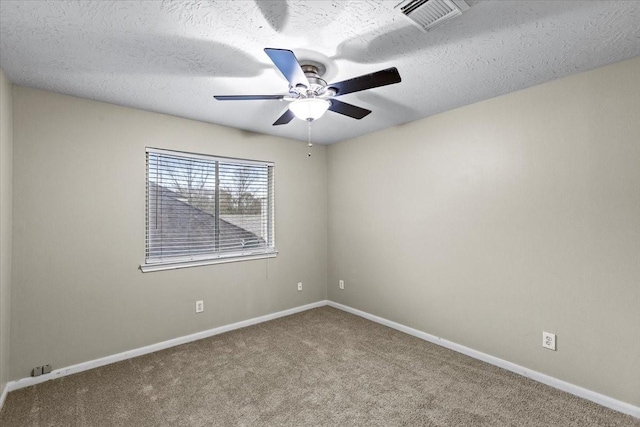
x=309 y=109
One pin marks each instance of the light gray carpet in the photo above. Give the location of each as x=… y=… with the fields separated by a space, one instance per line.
x=321 y=367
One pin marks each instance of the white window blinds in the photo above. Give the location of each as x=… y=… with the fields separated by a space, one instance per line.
x=207 y=208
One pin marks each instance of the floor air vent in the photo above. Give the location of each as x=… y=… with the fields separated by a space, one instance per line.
x=427 y=14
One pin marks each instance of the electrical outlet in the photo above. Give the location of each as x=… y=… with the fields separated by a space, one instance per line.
x=299 y=286
x=199 y=306
x=40 y=370
x=341 y=284
x=549 y=340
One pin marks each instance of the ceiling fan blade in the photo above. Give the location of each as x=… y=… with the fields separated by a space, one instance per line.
x=348 y=109
x=246 y=97
x=367 y=81
x=288 y=65
x=284 y=118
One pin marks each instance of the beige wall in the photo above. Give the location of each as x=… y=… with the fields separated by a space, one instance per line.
x=488 y=224
x=79 y=231
x=6 y=123
x=485 y=225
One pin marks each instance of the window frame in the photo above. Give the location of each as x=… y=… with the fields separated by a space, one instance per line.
x=175 y=262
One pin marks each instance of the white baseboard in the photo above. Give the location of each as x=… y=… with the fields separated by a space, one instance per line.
x=80 y=367
x=598 y=398
x=584 y=393
x=3 y=396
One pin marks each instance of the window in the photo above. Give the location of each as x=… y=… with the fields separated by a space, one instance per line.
x=203 y=209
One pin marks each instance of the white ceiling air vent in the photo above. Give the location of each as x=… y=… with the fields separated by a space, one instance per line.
x=427 y=14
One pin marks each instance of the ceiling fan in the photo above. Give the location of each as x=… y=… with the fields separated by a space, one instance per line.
x=310 y=96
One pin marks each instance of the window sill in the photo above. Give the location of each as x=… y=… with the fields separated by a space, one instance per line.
x=148 y=268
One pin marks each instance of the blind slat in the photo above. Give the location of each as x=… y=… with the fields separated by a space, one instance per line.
x=207 y=206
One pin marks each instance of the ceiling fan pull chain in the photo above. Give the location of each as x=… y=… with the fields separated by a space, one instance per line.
x=309 y=144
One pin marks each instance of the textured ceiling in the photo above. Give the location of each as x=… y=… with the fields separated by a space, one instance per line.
x=172 y=57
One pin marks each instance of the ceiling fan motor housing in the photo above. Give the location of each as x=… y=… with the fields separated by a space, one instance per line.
x=317 y=87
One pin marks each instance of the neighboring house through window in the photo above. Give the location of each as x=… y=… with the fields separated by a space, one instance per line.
x=203 y=209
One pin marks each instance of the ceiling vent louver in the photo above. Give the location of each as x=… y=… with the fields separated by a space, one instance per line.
x=427 y=14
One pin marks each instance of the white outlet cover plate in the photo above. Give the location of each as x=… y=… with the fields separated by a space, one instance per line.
x=341 y=284
x=549 y=340
x=199 y=306
x=299 y=286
